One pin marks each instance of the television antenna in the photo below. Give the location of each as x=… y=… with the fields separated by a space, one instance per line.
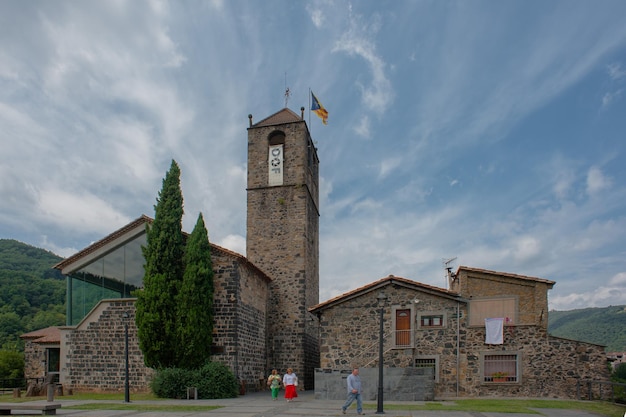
x=448 y=268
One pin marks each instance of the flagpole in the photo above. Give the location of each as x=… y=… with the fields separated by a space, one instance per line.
x=309 y=101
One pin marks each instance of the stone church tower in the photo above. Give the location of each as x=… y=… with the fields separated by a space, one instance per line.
x=282 y=236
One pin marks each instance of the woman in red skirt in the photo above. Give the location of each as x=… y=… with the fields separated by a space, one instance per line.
x=290 y=382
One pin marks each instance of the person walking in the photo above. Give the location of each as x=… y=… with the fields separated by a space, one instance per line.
x=290 y=381
x=354 y=392
x=274 y=381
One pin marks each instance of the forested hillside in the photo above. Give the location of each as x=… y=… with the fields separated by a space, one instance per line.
x=33 y=294
x=604 y=326
x=33 y=297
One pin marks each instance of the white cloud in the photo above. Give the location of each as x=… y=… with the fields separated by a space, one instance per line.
x=316 y=14
x=236 y=243
x=356 y=40
x=596 y=181
x=616 y=72
x=610 y=97
x=388 y=165
x=363 y=128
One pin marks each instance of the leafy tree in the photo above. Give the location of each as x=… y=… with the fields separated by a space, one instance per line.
x=195 y=300
x=620 y=372
x=54 y=316
x=11 y=364
x=10 y=326
x=163 y=254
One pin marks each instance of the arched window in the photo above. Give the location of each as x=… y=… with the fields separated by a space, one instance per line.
x=277 y=137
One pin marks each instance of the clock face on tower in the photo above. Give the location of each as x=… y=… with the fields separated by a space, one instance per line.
x=275 y=165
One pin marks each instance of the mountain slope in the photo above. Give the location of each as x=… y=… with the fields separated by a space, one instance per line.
x=33 y=294
x=601 y=325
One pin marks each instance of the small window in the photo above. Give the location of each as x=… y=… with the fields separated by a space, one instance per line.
x=429 y=362
x=500 y=368
x=431 y=320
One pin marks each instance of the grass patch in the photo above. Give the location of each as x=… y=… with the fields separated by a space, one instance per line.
x=143 y=407
x=512 y=406
x=84 y=396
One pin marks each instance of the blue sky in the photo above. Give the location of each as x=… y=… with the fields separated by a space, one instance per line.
x=490 y=132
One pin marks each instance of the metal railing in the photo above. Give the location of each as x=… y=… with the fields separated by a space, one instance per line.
x=601 y=390
x=9 y=384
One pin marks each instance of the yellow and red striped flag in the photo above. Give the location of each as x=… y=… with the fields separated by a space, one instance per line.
x=318 y=109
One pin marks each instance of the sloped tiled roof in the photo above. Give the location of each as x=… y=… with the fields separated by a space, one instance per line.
x=280 y=117
x=50 y=334
x=506 y=274
x=390 y=280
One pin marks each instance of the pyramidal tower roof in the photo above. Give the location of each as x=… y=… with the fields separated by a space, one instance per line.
x=280 y=117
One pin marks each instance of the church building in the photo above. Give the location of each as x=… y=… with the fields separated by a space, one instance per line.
x=261 y=301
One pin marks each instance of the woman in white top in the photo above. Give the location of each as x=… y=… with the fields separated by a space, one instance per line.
x=290 y=382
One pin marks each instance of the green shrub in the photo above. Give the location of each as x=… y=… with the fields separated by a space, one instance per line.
x=213 y=380
x=172 y=382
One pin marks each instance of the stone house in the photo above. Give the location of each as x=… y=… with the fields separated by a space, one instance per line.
x=484 y=336
x=42 y=354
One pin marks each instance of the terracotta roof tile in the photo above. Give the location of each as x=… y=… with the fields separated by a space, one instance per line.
x=505 y=274
x=381 y=283
x=48 y=335
x=280 y=117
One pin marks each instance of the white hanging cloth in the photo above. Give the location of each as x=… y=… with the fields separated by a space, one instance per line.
x=494 y=331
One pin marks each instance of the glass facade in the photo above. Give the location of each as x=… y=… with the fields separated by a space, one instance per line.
x=114 y=275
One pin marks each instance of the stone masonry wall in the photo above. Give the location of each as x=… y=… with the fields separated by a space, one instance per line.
x=532 y=295
x=240 y=326
x=283 y=241
x=34 y=360
x=550 y=367
x=93 y=357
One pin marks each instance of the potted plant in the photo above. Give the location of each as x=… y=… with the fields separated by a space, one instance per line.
x=499 y=377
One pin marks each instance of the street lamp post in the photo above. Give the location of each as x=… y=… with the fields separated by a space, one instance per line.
x=382 y=298
x=126 y=316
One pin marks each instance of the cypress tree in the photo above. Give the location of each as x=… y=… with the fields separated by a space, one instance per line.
x=195 y=300
x=156 y=304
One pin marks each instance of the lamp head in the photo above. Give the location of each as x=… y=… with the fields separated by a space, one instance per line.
x=382 y=298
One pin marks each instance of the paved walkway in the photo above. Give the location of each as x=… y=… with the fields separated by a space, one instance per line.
x=261 y=405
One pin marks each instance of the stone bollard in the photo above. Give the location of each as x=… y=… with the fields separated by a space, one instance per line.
x=17 y=393
x=50 y=392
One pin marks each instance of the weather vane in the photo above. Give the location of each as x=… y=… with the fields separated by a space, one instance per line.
x=287 y=92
